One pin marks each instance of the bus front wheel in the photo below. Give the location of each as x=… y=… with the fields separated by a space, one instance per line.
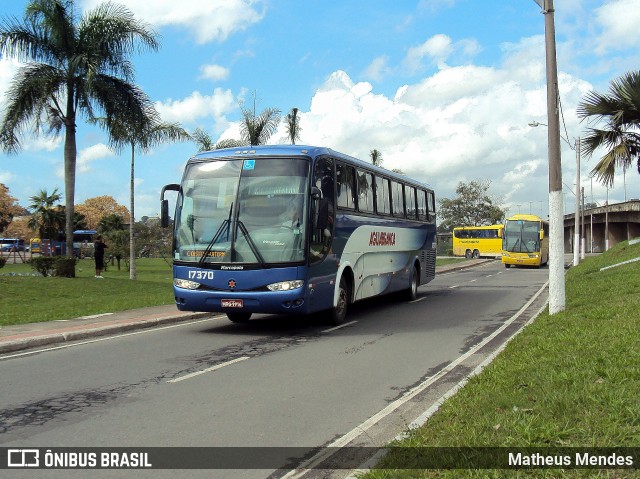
x=339 y=311
x=239 y=317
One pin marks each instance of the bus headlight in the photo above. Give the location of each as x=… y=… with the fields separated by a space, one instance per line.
x=185 y=284
x=286 y=285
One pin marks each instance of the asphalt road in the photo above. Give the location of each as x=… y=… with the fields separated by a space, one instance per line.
x=275 y=381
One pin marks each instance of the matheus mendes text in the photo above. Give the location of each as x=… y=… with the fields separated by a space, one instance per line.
x=382 y=238
x=579 y=459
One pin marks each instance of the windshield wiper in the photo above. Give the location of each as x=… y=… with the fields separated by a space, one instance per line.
x=216 y=237
x=251 y=244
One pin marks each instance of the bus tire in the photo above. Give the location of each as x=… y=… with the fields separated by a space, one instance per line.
x=507 y=266
x=411 y=294
x=476 y=254
x=239 y=317
x=467 y=254
x=339 y=311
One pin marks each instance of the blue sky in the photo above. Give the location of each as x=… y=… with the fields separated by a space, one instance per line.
x=445 y=89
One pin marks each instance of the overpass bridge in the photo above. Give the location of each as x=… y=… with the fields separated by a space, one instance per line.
x=617 y=222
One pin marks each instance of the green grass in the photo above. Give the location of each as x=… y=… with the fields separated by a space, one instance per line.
x=444 y=261
x=568 y=380
x=25 y=298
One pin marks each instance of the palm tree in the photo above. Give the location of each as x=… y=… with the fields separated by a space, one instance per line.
x=293 y=125
x=74 y=67
x=48 y=217
x=620 y=135
x=142 y=133
x=376 y=157
x=257 y=129
x=205 y=143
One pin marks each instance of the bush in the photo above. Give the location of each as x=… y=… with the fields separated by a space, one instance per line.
x=3 y=261
x=54 y=266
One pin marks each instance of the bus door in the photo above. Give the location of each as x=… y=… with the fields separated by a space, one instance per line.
x=322 y=263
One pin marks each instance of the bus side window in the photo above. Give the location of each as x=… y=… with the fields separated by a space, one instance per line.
x=410 y=201
x=397 y=199
x=365 y=192
x=422 y=205
x=346 y=176
x=322 y=237
x=431 y=205
x=382 y=196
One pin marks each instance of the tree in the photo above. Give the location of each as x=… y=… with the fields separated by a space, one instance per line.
x=293 y=125
x=376 y=157
x=8 y=207
x=472 y=207
x=48 y=216
x=257 y=129
x=142 y=133
x=74 y=66
x=95 y=209
x=205 y=143
x=620 y=135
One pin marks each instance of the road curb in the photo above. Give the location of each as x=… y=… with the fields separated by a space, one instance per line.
x=94 y=332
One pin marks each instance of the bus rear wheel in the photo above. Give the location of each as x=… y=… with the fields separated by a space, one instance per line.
x=411 y=294
x=339 y=311
x=239 y=317
x=476 y=254
x=468 y=254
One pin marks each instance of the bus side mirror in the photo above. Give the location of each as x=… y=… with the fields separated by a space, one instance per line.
x=164 y=214
x=499 y=233
x=542 y=234
x=164 y=204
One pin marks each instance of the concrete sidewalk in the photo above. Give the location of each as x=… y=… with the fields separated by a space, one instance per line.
x=33 y=335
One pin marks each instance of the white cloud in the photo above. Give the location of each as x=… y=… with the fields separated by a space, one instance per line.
x=86 y=156
x=378 y=68
x=6 y=176
x=619 y=20
x=197 y=106
x=459 y=124
x=436 y=49
x=214 y=72
x=207 y=20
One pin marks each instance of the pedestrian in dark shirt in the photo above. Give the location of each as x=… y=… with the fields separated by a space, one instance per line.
x=98 y=255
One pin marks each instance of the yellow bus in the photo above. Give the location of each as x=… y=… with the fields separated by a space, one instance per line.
x=35 y=245
x=525 y=241
x=476 y=241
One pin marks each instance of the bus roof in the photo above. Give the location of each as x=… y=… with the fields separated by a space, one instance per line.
x=485 y=227
x=299 y=150
x=524 y=217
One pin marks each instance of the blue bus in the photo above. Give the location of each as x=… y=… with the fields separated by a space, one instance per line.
x=294 y=229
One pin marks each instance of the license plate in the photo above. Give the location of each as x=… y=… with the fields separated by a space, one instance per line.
x=231 y=303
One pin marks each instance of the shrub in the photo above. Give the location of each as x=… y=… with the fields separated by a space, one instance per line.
x=54 y=266
x=3 y=261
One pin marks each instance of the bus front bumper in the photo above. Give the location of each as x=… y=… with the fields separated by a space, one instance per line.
x=524 y=259
x=268 y=302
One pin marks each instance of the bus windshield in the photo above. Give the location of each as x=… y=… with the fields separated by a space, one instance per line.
x=243 y=211
x=521 y=236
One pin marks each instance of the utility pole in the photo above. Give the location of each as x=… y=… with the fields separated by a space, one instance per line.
x=556 y=220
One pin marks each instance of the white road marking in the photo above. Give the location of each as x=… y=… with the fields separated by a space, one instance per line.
x=208 y=370
x=340 y=327
x=362 y=428
x=454 y=286
x=107 y=338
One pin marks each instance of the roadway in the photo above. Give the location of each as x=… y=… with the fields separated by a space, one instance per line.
x=275 y=381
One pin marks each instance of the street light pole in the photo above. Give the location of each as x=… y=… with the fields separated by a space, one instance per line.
x=576 y=227
x=556 y=220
